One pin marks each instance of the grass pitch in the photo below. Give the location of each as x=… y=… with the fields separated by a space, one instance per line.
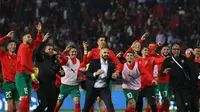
x=98 y=111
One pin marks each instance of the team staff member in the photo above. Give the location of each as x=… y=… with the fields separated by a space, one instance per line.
x=183 y=78
x=48 y=66
x=8 y=62
x=95 y=54
x=99 y=74
x=197 y=93
x=25 y=67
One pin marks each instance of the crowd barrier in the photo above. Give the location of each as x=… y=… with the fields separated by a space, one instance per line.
x=117 y=97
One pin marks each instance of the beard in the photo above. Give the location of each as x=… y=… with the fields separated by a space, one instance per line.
x=105 y=57
x=165 y=54
x=28 y=43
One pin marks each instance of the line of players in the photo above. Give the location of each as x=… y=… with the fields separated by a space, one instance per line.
x=140 y=74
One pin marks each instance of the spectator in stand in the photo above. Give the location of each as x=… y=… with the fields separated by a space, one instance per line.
x=160 y=37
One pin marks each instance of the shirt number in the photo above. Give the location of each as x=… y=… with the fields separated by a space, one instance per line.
x=129 y=95
x=60 y=97
x=8 y=94
x=26 y=90
x=165 y=93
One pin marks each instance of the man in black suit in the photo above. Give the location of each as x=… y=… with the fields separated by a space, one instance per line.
x=99 y=74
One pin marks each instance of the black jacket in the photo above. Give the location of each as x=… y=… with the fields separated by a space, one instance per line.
x=198 y=67
x=178 y=77
x=94 y=66
x=48 y=66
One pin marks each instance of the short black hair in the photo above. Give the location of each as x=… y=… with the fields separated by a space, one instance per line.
x=175 y=44
x=10 y=41
x=165 y=46
x=130 y=52
x=144 y=47
x=102 y=36
x=48 y=44
x=72 y=47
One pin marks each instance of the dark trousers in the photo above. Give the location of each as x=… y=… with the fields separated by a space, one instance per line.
x=196 y=99
x=47 y=98
x=103 y=93
x=183 y=100
x=149 y=93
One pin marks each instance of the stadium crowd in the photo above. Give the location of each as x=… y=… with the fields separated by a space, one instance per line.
x=121 y=21
x=131 y=29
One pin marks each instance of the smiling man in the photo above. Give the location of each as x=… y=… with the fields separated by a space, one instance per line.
x=25 y=67
x=99 y=74
x=49 y=66
x=70 y=82
x=183 y=78
x=8 y=63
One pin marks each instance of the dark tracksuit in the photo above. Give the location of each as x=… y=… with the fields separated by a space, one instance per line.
x=48 y=67
x=197 y=92
x=182 y=82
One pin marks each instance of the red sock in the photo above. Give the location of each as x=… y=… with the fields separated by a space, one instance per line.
x=127 y=110
x=148 y=109
x=159 y=108
x=29 y=101
x=92 y=108
x=9 y=111
x=24 y=105
x=57 y=107
x=106 y=110
x=77 y=108
x=166 y=109
x=130 y=110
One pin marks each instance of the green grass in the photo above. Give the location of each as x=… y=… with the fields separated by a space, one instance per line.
x=98 y=111
x=94 y=111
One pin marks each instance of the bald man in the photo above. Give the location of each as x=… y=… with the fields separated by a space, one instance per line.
x=99 y=74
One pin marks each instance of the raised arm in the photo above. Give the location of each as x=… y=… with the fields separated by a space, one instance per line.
x=129 y=50
x=143 y=37
x=115 y=60
x=2 y=39
x=153 y=48
x=38 y=39
x=87 y=55
x=39 y=51
x=67 y=49
x=63 y=60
